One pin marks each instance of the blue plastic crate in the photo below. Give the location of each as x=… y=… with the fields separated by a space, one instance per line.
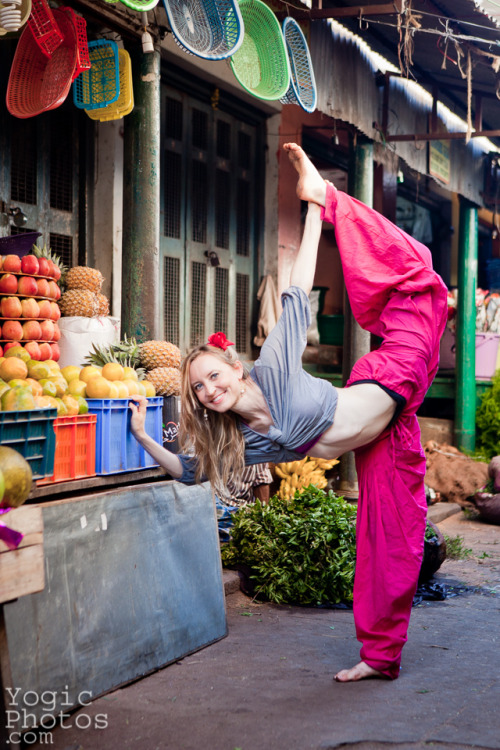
x=117 y=450
x=31 y=433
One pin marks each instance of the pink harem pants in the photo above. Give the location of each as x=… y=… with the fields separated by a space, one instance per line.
x=395 y=294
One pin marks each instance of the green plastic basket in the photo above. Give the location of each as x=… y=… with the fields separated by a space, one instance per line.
x=140 y=5
x=261 y=64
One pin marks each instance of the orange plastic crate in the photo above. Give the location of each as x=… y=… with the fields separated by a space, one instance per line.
x=75 y=448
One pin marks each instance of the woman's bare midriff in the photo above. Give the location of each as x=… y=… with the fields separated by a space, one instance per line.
x=363 y=412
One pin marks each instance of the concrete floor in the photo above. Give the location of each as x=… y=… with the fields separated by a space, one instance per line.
x=268 y=685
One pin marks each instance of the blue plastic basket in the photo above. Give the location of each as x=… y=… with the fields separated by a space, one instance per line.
x=100 y=85
x=117 y=450
x=302 y=89
x=31 y=433
x=211 y=29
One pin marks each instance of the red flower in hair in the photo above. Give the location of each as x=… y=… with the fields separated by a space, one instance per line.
x=219 y=340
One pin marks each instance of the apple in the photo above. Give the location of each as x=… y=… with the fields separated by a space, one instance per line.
x=43 y=288
x=30 y=308
x=27 y=286
x=12 y=263
x=33 y=349
x=7 y=346
x=11 y=307
x=12 y=330
x=57 y=333
x=32 y=330
x=44 y=309
x=44 y=267
x=54 y=292
x=56 y=353
x=8 y=284
x=56 y=311
x=47 y=330
x=29 y=264
x=45 y=351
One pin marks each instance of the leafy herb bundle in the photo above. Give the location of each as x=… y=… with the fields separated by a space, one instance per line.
x=488 y=420
x=301 y=551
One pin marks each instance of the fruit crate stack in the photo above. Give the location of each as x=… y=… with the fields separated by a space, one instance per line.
x=28 y=303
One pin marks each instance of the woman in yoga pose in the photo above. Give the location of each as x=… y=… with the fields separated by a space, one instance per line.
x=278 y=412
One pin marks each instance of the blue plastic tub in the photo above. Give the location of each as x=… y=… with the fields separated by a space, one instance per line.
x=117 y=450
x=31 y=433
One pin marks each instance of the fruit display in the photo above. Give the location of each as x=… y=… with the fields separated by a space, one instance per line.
x=157 y=361
x=16 y=476
x=28 y=304
x=83 y=297
x=297 y=475
x=27 y=384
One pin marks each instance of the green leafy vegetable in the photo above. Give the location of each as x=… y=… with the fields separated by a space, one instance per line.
x=301 y=551
x=488 y=420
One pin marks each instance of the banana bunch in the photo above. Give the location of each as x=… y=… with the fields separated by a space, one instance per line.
x=297 y=475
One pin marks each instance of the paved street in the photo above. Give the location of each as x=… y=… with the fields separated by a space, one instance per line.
x=268 y=684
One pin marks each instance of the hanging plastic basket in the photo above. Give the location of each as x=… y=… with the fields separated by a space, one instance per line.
x=44 y=28
x=13 y=15
x=125 y=102
x=82 y=48
x=302 y=89
x=100 y=85
x=38 y=83
x=140 y=5
x=211 y=29
x=261 y=64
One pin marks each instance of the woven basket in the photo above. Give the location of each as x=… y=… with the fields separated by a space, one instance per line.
x=125 y=102
x=211 y=29
x=261 y=64
x=302 y=89
x=100 y=85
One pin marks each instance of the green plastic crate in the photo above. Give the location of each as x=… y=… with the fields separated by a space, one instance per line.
x=31 y=433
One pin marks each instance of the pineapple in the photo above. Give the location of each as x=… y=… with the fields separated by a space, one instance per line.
x=103 y=303
x=79 y=302
x=84 y=277
x=166 y=380
x=46 y=252
x=155 y=354
x=125 y=352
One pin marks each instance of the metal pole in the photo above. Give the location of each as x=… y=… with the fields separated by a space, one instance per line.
x=356 y=340
x=465 y=395
x=141 y=201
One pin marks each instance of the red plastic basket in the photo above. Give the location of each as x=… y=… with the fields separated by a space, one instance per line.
x=82 y=47
x=44 y=27
x=38 y=83
x=75 y=448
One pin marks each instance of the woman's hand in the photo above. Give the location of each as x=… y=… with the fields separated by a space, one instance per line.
x=138 y=418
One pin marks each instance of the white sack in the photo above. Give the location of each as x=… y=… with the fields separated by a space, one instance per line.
x=78 y=336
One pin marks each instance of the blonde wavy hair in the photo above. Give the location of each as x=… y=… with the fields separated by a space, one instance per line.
x=213 y=437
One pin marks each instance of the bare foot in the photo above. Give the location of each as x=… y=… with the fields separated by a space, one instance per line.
x=311 y=186
x=360 y=672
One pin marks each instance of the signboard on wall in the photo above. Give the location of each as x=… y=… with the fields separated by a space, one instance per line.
x=439 y=160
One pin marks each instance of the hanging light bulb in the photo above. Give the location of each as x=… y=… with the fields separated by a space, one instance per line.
x=10 y=15
x=146 y=38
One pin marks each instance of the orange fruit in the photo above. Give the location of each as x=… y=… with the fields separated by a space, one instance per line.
x=113 y=371
x=62 y=409
x=71 y=405
x=150 y=389
x=48 y=387
x=98 y=387
x=13 y=367
x=122 y=389
x=38 y=370
x=71 y=372
x=113 y=390
x=141 y=389
x=77 y=388
x=83 y=407
x=17 y=399
x=17 y=381
x=88 y=372
x=36 y=388
x=18 y=351
x=131 y=386
x=60 y=384
x=130 y=374
x=42 y=402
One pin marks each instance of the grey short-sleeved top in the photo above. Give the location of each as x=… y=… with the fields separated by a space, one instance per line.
x=302 y=406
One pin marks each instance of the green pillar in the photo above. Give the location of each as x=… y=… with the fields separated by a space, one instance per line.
x=356 y=340
x=465 y=393
x=141 y=271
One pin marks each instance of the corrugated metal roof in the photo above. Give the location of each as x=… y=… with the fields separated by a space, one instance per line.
x=439 y=37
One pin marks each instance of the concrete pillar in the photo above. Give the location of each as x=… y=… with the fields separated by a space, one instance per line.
x=356 y=340
x=465 y=394
x=141 y=272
